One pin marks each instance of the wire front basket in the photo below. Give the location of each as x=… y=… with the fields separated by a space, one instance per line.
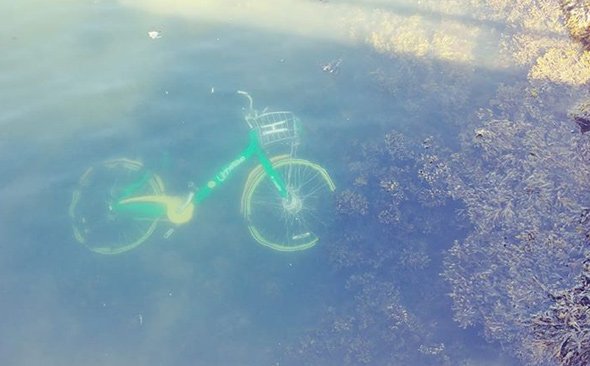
x=276 y=127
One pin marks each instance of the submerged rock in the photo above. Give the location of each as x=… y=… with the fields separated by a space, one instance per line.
x=581 y=116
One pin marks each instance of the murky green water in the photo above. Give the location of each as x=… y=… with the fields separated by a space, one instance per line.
x=82 y=82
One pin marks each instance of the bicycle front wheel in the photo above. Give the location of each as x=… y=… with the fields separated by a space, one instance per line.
x=292 y=223
x=96 y=225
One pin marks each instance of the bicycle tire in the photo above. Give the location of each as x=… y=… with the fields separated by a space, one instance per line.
x=287 y=224
x=94 y=223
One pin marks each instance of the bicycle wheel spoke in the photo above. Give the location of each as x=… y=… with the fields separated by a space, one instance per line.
x=95 y=224
x=290 y=223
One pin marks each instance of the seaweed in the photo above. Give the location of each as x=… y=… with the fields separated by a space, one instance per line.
x=522 y=176
x=384 y=253
x=518 y=183
x=562 y=333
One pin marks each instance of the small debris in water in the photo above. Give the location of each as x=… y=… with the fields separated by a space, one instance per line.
x=332 y=67
x=155 y=34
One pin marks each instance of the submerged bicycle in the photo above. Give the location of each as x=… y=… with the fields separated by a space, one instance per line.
x=119 y=203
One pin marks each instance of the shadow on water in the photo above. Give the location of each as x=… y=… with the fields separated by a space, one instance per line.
x=209 y=294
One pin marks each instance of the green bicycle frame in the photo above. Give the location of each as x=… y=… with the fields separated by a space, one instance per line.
x=199 y=194
x=254 y=149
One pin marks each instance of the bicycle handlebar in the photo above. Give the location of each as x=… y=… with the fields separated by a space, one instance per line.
x=251 y=113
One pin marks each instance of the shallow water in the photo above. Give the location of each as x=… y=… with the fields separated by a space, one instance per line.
x=83 y=82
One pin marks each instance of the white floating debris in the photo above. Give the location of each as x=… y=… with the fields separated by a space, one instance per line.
x=155 y=34
x=332 y=67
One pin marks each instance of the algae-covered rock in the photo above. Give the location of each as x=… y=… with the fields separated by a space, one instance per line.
x=577 y=20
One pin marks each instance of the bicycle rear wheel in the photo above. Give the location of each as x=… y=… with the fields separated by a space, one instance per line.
x=288 y=224
x=96 y=225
